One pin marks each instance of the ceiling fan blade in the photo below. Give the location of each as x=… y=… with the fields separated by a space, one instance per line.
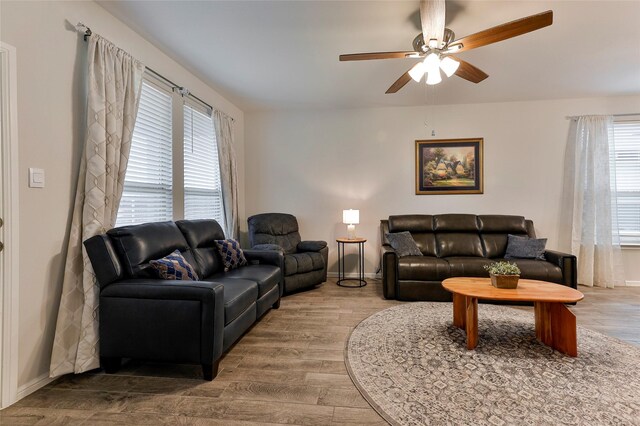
x=432 y=15
x=377 y=55
x=505 y=31
x=399 y=83
x=469 y=72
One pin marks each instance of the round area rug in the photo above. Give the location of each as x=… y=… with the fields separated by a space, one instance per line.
x=412 y=366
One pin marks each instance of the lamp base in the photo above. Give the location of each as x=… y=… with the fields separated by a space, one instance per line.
x=351 y=232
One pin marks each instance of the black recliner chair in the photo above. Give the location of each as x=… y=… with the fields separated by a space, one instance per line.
x=305 y=262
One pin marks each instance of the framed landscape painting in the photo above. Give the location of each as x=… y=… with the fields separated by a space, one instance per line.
x=449 y=166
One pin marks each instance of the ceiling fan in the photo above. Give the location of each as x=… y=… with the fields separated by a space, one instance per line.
x=437 y=44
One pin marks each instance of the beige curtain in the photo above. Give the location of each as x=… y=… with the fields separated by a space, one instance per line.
x=589 y=210
x=223 y=125
x=114 y=83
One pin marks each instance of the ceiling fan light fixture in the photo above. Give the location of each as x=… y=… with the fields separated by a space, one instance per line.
x=432 y=63
x=433 y=77
x=417 y=71
x=449 y=66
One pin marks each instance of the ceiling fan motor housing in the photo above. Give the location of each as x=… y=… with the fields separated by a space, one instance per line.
x=419 y=44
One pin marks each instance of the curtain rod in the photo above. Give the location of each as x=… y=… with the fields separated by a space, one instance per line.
x=86 y=32
x=574 y=117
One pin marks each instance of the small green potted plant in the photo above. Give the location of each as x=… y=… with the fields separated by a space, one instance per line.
x=503 y=274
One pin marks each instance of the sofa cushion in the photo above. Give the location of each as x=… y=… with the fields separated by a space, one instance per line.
x=299 y=263
x=459 y=244
x=266 y=276
x=525 y=248
x=239 y=294
x=174 y=267
x=455 y=223
x=468 y=266
x=411 y=222
x=502 y=224
x=231 y=254
x=422 y=268
x=201 y=234
x=542 y=270
x=403 y=243
x=136 y=245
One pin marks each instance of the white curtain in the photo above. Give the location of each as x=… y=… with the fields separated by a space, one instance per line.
x=223 y=125
x=114 y=83
x=589 y=208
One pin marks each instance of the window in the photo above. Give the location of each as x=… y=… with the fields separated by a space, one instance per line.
x=153 y=186
x=147 y=194
x=626 y=154
x=202 y=191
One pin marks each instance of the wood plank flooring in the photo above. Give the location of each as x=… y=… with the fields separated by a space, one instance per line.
x=288 y=369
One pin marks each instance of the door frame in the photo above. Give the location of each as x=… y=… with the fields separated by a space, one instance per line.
x=9 y=281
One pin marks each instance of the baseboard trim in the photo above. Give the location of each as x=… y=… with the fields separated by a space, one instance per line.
x=33 y=385
x=633 y=283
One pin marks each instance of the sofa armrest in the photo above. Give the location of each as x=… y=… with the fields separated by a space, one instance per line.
x=311 y=246
x=389 y=264
x=132 y=312
x=568 y=264
x=268 y=247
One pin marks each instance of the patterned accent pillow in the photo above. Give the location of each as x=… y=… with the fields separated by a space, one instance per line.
x=525 y=248
x=404 y=244
x=174 y=267
x=232 y=255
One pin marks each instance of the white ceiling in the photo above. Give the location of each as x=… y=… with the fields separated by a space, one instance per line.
x=284 y=54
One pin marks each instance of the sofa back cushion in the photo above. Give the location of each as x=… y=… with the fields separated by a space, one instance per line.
x=274 y=228
x=421 y=228
x=495 y=230
x=136 y=245
x=201 y=236
x=457 y=235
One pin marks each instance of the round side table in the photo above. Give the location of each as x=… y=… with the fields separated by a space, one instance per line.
x=360 y=281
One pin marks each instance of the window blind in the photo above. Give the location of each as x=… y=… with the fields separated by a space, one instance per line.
x=202 y=189
x=626 y=154
x=147 y=195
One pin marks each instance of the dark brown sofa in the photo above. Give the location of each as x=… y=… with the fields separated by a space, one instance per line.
x=459 y=245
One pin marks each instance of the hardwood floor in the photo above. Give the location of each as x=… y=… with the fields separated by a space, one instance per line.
x=289 y=368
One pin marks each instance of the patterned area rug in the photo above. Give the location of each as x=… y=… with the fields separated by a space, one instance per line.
x=412 y=366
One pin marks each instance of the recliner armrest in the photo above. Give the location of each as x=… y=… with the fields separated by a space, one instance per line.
x=568 y=264
x=389 y=265
x=268 y=247
x=311 y=246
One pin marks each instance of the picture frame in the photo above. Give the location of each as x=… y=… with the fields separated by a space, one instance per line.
x=449 y=166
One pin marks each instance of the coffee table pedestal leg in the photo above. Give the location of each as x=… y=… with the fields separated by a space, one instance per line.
x=556 y=327
x=459 y=310
x=471 y=322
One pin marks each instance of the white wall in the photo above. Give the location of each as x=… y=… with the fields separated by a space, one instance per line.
x=50 y=109
x=314 y=164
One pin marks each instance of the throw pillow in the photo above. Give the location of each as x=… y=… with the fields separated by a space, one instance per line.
x=525 y=248
x=174 y=267
x=232 y=255
x=403 y=243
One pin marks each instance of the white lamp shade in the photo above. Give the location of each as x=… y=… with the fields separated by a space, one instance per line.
x=351 y=217
x=449 y=66
x=431 y=63
x=434 y=77
x=417 y=71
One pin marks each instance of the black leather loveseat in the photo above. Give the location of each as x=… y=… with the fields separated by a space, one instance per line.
x=459 y=245
x=143 y=317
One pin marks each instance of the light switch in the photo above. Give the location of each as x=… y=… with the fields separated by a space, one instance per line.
x=36 y=178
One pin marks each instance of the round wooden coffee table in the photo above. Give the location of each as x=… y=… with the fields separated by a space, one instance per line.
x=555 y=324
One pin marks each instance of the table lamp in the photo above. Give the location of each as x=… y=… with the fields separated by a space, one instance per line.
x=351 y=218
